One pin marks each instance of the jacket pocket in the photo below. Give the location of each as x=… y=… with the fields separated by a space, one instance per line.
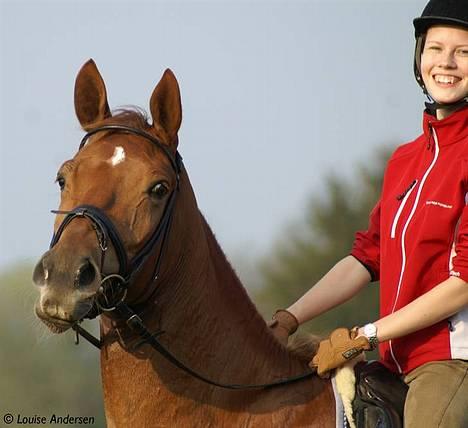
x=405 y=196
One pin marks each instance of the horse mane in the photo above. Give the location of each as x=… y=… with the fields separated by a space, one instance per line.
x=303 y=346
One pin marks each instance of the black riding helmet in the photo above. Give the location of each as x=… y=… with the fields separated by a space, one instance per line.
x=438 y=12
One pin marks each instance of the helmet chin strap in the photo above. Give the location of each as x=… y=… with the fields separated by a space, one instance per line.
x=432 y=105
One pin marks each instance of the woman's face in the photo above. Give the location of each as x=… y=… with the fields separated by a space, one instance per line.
x=444 y=64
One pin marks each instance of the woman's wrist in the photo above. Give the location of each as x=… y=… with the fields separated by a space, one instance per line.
x=369 y=331
x=295 y=313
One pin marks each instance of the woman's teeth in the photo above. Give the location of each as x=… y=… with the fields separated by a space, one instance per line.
x=446 y=79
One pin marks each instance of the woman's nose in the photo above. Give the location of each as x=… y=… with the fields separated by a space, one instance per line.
x=448 y=60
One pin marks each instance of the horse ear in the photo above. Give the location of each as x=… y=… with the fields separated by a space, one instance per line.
x=90 y=96
x=165 y=105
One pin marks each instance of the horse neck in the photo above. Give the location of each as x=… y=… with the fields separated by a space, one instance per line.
x=208 y=318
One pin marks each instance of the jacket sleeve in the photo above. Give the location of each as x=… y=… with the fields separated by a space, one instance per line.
x=459 y=265
x=459 y=254
x=366 y=247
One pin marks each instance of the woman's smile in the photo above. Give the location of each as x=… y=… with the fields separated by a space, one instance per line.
x=446 y=80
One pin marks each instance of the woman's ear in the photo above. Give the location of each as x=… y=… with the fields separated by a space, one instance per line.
x=90 y=96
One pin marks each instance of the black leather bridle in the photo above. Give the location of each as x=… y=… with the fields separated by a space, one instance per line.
x=113 y=290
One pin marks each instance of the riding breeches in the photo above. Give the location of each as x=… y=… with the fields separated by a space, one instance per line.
x=437 y=395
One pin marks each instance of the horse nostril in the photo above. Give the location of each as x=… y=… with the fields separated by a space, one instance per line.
x=86 y=274
x=41 y=272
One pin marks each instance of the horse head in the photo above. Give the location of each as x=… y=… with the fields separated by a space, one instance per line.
x=114 y=193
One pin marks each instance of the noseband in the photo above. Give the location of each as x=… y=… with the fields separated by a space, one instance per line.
x=113 y=290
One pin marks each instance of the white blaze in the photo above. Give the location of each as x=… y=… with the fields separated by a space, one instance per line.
x=118 y=156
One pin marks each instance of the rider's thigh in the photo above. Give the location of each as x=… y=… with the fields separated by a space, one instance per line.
x=437 y=395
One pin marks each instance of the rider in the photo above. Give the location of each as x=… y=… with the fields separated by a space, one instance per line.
x=416 y=243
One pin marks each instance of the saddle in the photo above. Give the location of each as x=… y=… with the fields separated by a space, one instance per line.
x=380 y=396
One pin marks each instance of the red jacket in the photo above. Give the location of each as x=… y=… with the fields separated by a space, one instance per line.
x=418 y=237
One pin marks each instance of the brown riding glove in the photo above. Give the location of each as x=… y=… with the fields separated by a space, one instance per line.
x=340 y=347
x=283 y=324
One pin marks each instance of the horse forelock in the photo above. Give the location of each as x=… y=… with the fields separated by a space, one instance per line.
x=133 y=116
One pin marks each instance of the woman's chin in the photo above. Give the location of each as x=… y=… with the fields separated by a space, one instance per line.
x=447 y=97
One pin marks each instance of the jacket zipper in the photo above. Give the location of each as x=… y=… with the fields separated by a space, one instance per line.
x=403 y=233
x=405 y=195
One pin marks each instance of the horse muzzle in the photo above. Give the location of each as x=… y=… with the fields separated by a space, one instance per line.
x=67 y=284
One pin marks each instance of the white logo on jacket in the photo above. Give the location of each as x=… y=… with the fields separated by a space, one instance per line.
x=439 y=204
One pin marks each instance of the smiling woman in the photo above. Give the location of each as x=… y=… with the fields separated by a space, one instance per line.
x=444 y=65
x=416 y=243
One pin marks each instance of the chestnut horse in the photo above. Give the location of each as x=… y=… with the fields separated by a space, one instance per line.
x=196 y=302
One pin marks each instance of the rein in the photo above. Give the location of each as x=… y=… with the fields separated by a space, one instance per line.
x=113 y=290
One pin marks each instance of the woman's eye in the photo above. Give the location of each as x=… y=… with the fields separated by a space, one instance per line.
x=433 y=48
x=61 y=182
x=159 y=190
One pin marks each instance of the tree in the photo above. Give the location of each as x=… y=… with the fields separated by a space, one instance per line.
x=312 y=245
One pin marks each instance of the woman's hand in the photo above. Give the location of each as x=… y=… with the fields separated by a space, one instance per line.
x=282 y=325
x=343 y=345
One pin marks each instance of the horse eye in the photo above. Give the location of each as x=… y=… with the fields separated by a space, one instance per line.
x=159 y=190
x=61 y=182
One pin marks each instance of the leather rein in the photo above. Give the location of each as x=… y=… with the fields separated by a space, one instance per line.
x=113 y=290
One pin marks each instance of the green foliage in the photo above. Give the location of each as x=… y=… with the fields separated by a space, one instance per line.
x=312 y=245
x=42 y=373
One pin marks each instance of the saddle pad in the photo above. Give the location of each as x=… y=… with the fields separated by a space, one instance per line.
x=341 y=421
x=344 y=389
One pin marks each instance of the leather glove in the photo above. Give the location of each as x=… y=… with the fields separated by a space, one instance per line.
x=342 y=345
x=282 y=325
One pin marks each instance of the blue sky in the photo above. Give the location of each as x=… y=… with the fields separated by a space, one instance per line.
x=275 y=95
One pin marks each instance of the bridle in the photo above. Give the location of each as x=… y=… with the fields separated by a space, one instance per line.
x=113 y=290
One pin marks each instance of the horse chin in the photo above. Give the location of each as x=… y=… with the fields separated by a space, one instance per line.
x=55 y=325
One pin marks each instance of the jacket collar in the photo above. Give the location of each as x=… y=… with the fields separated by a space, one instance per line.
x=449 y=130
